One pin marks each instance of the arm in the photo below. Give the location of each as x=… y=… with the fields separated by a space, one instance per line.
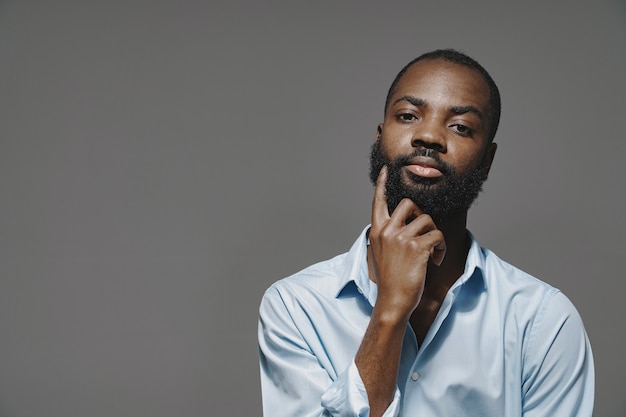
x=558 y=371
x=295 y=381
x=292 y=380
x=401 y=246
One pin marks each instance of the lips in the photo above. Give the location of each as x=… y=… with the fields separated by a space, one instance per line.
x=424 y=166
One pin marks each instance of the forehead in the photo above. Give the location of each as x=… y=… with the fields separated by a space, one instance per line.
x=443 y=83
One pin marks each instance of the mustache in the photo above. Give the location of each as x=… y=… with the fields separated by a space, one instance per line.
x=442 y=166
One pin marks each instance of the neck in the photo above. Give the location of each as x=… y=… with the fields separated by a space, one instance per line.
x=457 y=247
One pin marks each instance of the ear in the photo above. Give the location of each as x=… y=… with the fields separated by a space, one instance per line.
x=490 y=153
x=379 y=131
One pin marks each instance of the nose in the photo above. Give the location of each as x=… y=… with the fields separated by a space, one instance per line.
x=429 y=134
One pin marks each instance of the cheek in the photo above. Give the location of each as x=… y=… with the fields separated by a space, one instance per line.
x=466 y=157
x=394 y=143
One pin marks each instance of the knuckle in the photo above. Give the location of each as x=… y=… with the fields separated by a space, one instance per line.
x=386 y=234
x=426 y=218
x=437 y=234
x=406 y=202
x=413 y=245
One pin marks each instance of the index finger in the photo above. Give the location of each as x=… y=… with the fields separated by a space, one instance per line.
x=380 y=210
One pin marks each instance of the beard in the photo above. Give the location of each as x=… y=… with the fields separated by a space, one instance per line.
x=442 y=198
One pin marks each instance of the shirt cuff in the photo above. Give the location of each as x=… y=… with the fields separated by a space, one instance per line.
x=347 y=396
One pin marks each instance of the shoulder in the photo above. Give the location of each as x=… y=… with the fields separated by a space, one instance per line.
x=507 y=279
x=322 y=279
x=529 y=302
x=544 y=309
x=321 y=283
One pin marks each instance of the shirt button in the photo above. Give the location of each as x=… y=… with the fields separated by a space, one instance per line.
x=415 y=376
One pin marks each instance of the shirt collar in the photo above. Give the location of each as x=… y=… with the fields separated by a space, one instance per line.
x=355 y=271
x=474 y=265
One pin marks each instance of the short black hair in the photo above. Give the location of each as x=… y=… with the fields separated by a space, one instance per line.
x=456 y=57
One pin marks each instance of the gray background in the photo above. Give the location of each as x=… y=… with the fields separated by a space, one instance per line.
x=163 y=162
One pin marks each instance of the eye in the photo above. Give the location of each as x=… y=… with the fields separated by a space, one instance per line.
x=406 y=117
x=462 y=129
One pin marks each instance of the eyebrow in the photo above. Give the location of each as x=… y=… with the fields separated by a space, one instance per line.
x=466 y=109
x=418 y=102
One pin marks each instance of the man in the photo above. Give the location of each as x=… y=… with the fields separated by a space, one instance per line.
x=417 y=319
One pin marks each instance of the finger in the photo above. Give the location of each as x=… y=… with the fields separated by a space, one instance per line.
x=439 y=248
x=419 y=225
x=380 y=210
x=405 y=213
x=435 y=243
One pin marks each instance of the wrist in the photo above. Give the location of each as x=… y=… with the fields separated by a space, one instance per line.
x=390 y=317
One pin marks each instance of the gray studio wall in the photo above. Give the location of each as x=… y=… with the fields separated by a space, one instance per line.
x=163 y=162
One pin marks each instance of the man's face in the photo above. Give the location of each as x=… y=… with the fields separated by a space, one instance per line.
x=434 y=139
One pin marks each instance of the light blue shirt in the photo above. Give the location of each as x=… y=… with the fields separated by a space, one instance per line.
x=503 y=344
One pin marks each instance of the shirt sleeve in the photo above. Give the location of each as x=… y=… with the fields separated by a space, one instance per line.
x=347 y=395
x=558 y=364
x=293 y=382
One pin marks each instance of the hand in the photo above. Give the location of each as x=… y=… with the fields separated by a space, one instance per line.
x=401 y=246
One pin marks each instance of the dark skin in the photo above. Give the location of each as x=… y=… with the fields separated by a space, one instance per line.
x=414 y=262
